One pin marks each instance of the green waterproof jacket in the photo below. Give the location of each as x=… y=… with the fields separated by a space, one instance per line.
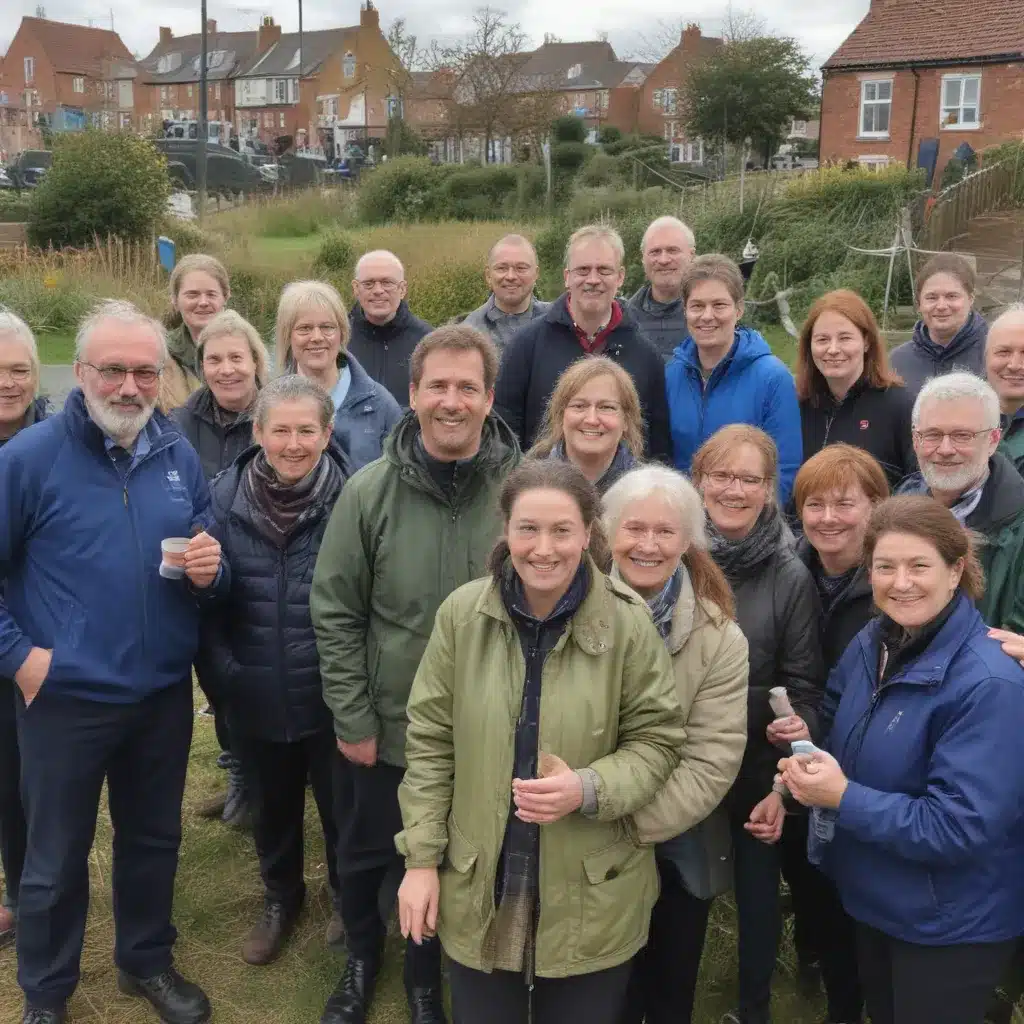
x=608 y=702
x=395 y=547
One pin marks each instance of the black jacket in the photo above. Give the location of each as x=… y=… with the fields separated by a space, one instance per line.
x=259 y=645
x=39 y=409
x=542 y=349
x=384 y=350
x=875 y=419
x=663 y=323
x=217 y=446
x=778 y=611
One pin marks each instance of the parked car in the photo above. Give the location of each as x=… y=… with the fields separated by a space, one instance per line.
x=29 y=167
x=5 y=179
x=227 y=170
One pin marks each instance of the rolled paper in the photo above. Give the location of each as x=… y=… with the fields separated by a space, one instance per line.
x=779 y=701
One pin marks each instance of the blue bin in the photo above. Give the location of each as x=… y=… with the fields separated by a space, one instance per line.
x=166 y=251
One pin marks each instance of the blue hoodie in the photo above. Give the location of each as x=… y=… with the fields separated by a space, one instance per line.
x=749 y=385
x=80 y=553
x=929 y=838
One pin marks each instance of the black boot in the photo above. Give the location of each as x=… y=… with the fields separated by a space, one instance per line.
x=426 y=1006
x=351 y=1000
x=236 y=805
x=175 y=1000
x=37 y=1015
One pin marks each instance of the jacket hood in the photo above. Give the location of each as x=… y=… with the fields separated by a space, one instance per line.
x=643 y=295
x=1002 y=497
x=747 y=348
x=362 y=386
x=973 y=332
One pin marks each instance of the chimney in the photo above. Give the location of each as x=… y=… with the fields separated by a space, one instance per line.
x=267 y=35
x=369 y=17
x=211 y=26
x=166 y=35
x=690 y=37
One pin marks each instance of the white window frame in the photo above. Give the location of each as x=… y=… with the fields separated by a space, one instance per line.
x=656 y=98
x=862 y=133
x=692 y=152
x=874 y=161
x=670 y=100
x=216 y=91
x=280 y=120
x=163 y=93
x=280 y=90
x=348 y=65
x=78 y=84
x=30 y=69
x=944 y=111
x=799 y=130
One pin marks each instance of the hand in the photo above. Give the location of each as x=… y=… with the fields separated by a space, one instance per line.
x=783 y=731
x=816 y=780
x=418 y=897
x=202 y=560
x=33 y=672
x=1013 y=643
x=364 y=752
x=545 y=801
x=766 y=819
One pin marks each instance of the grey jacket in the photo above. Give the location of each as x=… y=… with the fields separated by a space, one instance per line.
x=365 y=417
x=920 y=358
x=664 y=323
x=502 y=326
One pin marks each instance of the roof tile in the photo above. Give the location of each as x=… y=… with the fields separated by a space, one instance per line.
x=79 y=49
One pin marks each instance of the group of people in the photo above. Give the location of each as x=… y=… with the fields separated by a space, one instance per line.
x=573 y=616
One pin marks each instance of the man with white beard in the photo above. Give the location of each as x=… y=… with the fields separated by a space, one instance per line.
x=100 y=645
x=956 y=433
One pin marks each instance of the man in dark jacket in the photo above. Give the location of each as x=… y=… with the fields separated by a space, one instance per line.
x=956 y=434
x=406 y=531
x=384 y=330
x=586 y=320
x=1004 y=367
x=658 y=307
x=101 y=647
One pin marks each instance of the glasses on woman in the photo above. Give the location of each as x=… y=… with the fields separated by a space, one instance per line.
x=929 y=440
x=581 y=408
x=721 y=479
x=306 y=330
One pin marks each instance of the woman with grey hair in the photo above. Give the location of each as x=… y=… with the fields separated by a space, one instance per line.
x=312 y=339
x=271 y=507
x=19 y=408
x=655 y=522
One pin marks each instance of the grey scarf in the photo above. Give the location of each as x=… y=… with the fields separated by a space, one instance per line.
x=742 y=558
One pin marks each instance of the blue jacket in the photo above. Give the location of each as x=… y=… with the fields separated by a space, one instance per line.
x=750 y=385
x=365 y=418
x=80 y=553
x=929 y=839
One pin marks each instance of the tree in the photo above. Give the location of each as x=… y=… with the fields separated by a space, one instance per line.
x=752 y=89
x=737 y=25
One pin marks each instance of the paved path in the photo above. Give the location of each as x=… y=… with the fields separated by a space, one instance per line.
x=56 y=382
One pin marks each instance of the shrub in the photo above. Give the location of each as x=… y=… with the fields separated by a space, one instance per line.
x=14 y=207
x=403 y=189
x=441 y=291
x=609 y=133
x=568 y=128
x=601 y=203
x=337 y=256
x=569 y=156
x=101 y=184
x=187 y=235
x=255 y=294
x=600 y=170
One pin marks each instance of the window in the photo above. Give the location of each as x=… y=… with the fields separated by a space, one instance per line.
x=268 y=119
x=692 y=152
x=669 y=100
x=190 y=92
x=961 y=101
x=167 y=63
x=348 y=65
x=216 y=92
x=30 y=69
x=574 y=72
x=875 y=108
x=799 y=130
x=281 y=119
x=602 y=99
x=656 y=98
x=280 y=90
x=78 y=85
x=670 y=130
x=873 y=163
x=163 y=93
x=580 y=101
x=294 y=62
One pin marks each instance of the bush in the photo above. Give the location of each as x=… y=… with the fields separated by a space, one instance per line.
x=568 y=128
x=608 y=134
x=403 y=189
x=14 y=207
x=187 y=235
x=446 y=289
x=568 y=157
x=600 y=170
x=255 y=294
x=337 y=256
x=101 y=184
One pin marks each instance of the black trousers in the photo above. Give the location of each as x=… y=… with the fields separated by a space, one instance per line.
x=664 y=976
x=906 y=983
x=503 y=998
x=276 y=775
x=13 y=830
x=823 y=932
x=370 y=869
x=68 y=747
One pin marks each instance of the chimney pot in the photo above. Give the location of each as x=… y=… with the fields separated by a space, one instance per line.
x=211 y=26
x=369 y=16
x=166 y=35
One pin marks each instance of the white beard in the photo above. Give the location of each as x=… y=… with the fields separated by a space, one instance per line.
x=955 y=478
x=116 y=423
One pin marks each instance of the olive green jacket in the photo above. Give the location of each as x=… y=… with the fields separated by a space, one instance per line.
x=395 y=547
x=181 y=373
x=608 y=703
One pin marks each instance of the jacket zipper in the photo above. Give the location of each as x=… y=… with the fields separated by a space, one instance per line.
x=282 y=610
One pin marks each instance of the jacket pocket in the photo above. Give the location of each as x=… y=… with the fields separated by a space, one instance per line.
x=459 y=908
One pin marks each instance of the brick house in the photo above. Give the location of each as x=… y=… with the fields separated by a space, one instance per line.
x=661 y=111
x=67 y=76
x=913 y=77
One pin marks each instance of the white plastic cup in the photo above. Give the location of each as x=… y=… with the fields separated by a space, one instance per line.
x=779 y=701
x=172 y=550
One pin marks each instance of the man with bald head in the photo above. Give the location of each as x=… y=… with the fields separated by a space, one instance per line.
x=657 y=307
x=384 y=331
x=1004 y=367
x=511 y=275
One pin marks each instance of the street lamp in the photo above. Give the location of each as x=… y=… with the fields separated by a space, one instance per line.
x=202 y=130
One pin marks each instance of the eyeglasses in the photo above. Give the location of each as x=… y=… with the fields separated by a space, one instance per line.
x=929 y=440
x=747 y=481
x=520 y=269
x=306 y=330
x=18 y=374
x=584 y=272
x=144 y=376
x=581 y=408
x=384 y=283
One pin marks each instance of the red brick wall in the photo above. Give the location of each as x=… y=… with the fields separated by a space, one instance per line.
x=44 y=82
x=1002 y=113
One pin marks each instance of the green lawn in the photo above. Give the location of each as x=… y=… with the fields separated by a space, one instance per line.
x=55 y=348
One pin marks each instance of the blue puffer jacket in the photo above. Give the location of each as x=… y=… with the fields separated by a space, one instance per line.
x=259 y=645
x=80 y=553
x=367 y=414
x=930 y=834
x=750 y=385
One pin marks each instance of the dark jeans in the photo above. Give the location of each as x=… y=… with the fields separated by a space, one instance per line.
x=276 y=775
x=905 y=983
x=823 y=932
x=13 y=830
x=68 y=747
x=503 y=998
x=370 y=868
x=664 y=975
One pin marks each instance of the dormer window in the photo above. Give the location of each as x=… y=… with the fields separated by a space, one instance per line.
x=294 y=62
x=167 y=63
x=348 y=65
x=214 y=59
x=574 y=72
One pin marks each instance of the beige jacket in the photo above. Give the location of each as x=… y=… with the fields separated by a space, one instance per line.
x=709 y=659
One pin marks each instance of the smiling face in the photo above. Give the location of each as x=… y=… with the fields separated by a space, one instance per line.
x=546 y=539
x=667 y=252
x=711 y=318
x=593 y=278
x=1004 y=361
x=199 y=299
x=947 y=465
x=451 y=403
x=511 y=275
x=649 y=543
x=293 y=438
x=18 y=383
x=835 y=523
x=945 y=306
x=230 y=371
x=838 y=348
x=593 y=423
x=379 y=287
x=315 y=341
x=735 y=491
x=909 y=579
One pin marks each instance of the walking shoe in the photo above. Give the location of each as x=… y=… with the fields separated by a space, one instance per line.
x=236 y=804
x=350 y=1001
x=175 y=1000
x=264 y=943
x=426 y=1006
x=37 y=1015
x=335 y=934
x=213 y=807
x=225 y=759
x=7 y=926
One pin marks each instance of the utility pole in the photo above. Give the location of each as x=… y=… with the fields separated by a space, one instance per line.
x=202 y=129
x=298 y=89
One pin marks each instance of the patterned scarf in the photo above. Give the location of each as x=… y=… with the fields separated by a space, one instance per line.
x=741 y=558
x=663 y=604
x=622 y=462
x=964 y=505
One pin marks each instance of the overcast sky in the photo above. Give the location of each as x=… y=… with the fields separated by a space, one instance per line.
x=820 y=27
